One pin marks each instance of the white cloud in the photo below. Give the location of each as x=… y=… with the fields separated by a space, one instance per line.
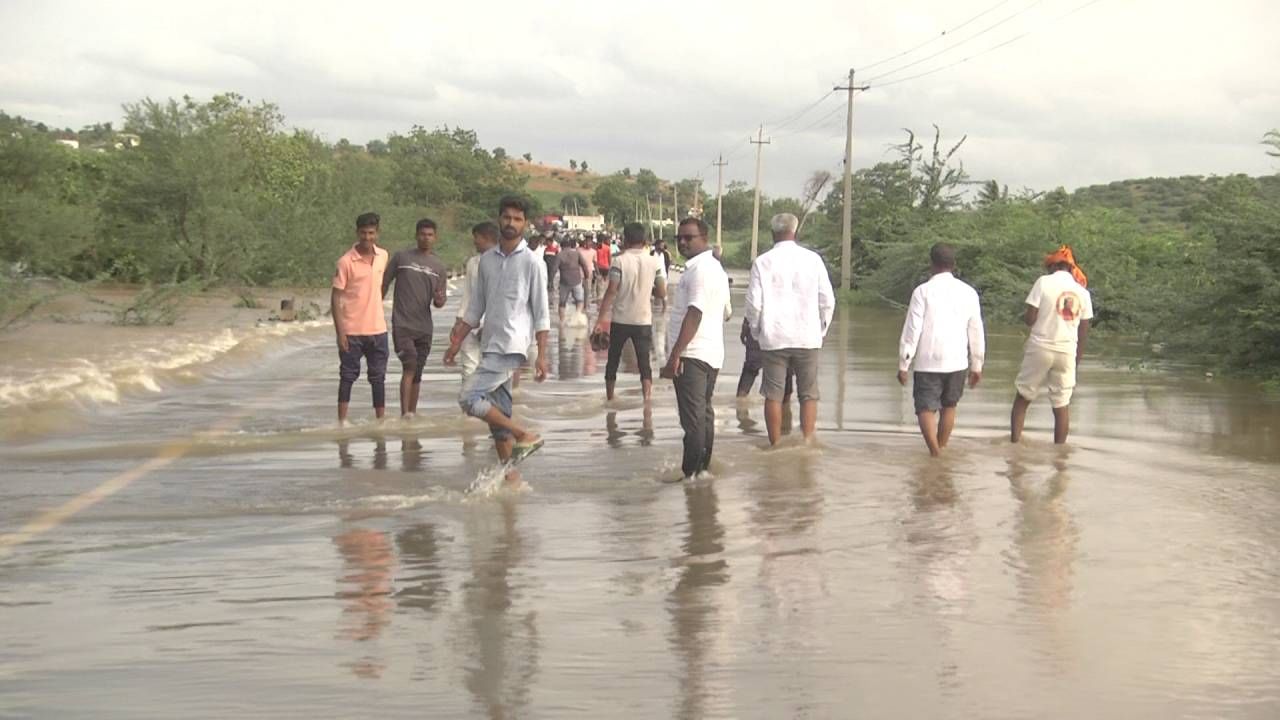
x=1119 y=89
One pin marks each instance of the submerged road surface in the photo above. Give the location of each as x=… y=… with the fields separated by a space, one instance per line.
x=248 y=559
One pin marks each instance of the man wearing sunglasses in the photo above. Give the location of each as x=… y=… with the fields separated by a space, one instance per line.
x=695 y=336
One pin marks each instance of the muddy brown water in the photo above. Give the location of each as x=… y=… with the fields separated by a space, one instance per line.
x=255 y=561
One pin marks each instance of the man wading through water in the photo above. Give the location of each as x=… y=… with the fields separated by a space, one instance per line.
x=788 y=310
x=626 y=312
x=358 y=320
x=509 y=291
x=695 y=336
x=420 y=281
x=943 y=337
x=1058 y=310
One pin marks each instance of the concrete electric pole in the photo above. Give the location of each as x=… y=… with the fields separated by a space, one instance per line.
x=759 y=142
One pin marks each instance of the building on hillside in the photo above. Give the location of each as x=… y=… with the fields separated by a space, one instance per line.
x=592 y=223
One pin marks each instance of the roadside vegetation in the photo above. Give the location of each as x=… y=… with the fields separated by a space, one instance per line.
x=224 y=193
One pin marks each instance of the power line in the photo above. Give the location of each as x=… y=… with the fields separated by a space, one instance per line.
x=1010 y=41
x=776 y=124
x=935 y=38
x=958 y=43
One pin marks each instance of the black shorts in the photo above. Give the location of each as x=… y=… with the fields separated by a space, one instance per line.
x=933 y=390
x=412 y=347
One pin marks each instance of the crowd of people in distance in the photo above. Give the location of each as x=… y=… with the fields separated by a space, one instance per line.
x=510 y=283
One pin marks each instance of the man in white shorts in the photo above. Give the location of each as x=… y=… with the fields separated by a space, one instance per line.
x=1058 y=312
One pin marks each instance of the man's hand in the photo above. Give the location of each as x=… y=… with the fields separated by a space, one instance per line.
x=902 y=377
x=975 y=377
x=602 y=326
x=540 y=368
x=450 y=355
x=343 y=345
x=672 y=369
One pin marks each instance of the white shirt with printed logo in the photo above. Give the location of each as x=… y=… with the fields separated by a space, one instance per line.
x=1062 y=303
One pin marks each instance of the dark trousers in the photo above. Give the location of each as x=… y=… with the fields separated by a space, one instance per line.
x=641 y=337
x=694 y=387
x=374 y=350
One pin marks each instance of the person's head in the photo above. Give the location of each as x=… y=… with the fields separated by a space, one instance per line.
x=691 y=237
x=633 y=235
x=367 y=230
x=513 y=216
x=602 y=239
x=942 y=258
x=484 y=235
x=568 y=243
x=784 y=226
x=425 y=233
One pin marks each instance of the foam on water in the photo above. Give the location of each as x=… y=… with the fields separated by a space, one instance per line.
x=137 y=368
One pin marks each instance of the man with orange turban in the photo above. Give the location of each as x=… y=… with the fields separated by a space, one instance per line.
x=1058 y=311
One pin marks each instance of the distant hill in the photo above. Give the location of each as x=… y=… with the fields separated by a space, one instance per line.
x=549 y=183
x=1161 y=201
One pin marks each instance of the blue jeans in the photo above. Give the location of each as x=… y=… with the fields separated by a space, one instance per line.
x=373 y=348
x=489 y=387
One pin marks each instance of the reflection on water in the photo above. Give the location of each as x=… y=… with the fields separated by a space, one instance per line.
x=364 y=589
x=422 y=584
x=786 y=508
x=615 y=436
x=501 y=645
x=1045 y=539
x=696 y=634
x=1132 y=575
x=411 y=454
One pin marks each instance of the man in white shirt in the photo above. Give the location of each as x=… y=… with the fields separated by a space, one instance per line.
x=789 y=308
x=943 y=337
x=1058 y=311
x=484 y=236
x=695 y=336
x=626 y=312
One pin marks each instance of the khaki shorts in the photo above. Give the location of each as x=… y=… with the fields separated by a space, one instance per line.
x=802 y=361
x=1047 y=370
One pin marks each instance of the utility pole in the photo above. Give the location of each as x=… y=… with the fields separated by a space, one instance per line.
x=759 y=142
x=660 y=218
x=719 y=163
x=675 y=203
x=846 y=235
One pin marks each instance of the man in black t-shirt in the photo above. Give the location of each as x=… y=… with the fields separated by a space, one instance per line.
x=421 y=281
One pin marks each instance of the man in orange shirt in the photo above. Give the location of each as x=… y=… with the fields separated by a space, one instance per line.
x=358 y=318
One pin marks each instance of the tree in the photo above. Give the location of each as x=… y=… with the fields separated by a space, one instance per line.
x=991 y=193
x=573 y=164
x=1272 y=138
x=615 y=198
x=626 y=172
x=584 y=167
x=647 y=183
x=939 y=187
x=575 y=203
x=377 y=147
x=813 y=187
x=500 y=154
x=528 y=157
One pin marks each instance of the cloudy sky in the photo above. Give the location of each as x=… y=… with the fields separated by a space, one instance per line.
x=1086 y=92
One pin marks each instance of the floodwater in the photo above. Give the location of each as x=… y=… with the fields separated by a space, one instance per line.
x=219 y=549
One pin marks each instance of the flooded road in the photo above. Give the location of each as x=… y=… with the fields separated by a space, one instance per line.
x=247 y=558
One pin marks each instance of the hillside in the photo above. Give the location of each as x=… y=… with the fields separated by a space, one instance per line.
x=549 y=183
x=1161 y=201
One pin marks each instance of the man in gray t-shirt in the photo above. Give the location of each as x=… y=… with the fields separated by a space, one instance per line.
x=574 y=269
x=421 y=281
